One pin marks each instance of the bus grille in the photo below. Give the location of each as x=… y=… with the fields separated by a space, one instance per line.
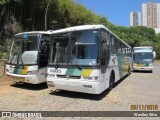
x=72 y=77
x=61 y=76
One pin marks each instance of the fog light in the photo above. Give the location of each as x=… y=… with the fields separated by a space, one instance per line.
x=49 y=85
x=50 y=82
x=96 y=78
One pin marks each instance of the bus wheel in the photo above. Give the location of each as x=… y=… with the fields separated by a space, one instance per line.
x=111 y=81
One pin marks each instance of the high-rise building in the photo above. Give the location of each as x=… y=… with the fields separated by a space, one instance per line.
x=135 y=18
x=151 y=14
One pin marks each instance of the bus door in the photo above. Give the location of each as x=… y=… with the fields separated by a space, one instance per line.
x=105 y=51
x=43 y=57
x=44 y=51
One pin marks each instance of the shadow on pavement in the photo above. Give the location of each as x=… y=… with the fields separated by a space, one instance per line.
x=31 y=86
x=119 y=81
x=78 y=95
x=137 y=71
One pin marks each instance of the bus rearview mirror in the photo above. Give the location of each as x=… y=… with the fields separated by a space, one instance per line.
x=154 y=54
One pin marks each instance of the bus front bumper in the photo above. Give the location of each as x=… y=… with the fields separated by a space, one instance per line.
x=23 y=78
x=76 y=85
x=149 y=68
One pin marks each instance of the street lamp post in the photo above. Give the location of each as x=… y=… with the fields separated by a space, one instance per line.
x=46 y=15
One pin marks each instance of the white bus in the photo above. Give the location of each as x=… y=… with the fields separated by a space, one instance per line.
x=28 y=57
x=87 y=58
x=143 y=58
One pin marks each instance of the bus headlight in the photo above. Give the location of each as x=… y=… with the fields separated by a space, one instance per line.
x=87 y=78
x=7 y=70
x=151 y=64
x=29 y=73
x=134 y=64
x=32 y=72
x=90 y=78
x=50 y=75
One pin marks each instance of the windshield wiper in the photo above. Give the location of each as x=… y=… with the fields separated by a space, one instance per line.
x=16 y=53
x=17 y=60
x=57 y=65
x=19 y=56
x=12 y=58
x=22 y=61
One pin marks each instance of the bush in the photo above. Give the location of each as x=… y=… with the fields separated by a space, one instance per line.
x=1 y=54
x=1 y=51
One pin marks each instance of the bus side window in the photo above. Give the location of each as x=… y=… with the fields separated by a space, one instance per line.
x=119 y=47
x=123 y=49
x=127 y=51
x=113 y=44
x=130 y=52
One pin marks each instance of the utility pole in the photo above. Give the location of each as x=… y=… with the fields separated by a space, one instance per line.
x=46 y=15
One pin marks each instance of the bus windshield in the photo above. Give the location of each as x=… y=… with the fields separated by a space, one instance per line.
x=24 y=49
x=76 y=48
x=84 y=49
x=145 y=57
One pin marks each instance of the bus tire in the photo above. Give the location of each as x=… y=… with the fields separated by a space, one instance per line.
x=111 y=81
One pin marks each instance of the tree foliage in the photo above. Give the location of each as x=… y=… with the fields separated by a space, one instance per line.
x=28 y=15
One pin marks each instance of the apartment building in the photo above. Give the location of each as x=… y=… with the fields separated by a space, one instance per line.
x=135 y=18
x=151 y=15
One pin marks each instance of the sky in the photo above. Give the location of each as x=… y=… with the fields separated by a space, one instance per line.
x=116 y=11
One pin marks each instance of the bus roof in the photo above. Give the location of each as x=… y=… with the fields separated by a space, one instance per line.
x=38 y=32
x=86 y=27
x=78 y=28
x=143 y=47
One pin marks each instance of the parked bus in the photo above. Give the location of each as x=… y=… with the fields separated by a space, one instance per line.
x=87 y=58
x=28 y=57
x=143 y=58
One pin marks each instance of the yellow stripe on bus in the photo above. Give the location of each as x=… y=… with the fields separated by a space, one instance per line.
x=86 y=72
x=24 y=71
